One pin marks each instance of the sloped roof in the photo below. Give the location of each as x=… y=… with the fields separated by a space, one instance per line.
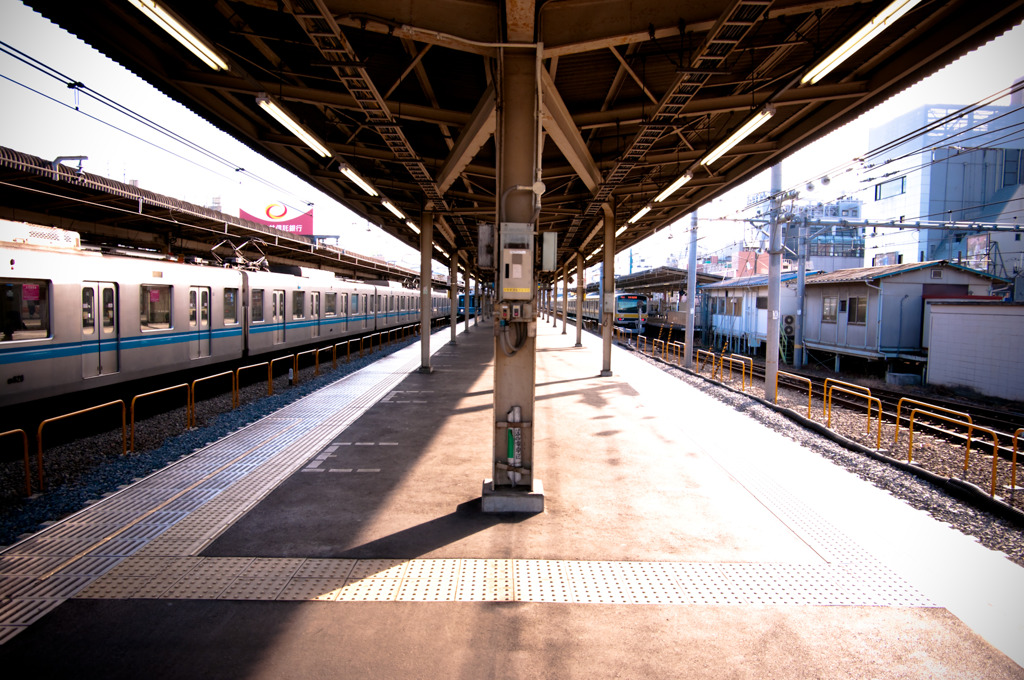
x=875 y=273
x=751 y=281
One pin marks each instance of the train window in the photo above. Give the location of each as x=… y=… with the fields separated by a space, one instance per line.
x=256 y=305
x=355 y=304
x=298 y=304
x=193 y=304
x=330 y=304
x=829 y=308
x=154 y=307
x=25 y=310
x=230 y=306
x=343 y=309
x=108 y=310
x=88 y=311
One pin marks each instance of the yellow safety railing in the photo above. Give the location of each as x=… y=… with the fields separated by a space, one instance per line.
x=677 y=348
x=810 y=387
x=826 y=405
x=238 y=373
x=870 y=400
x=1013 y=467
x=188 y=407
x=747 y=362
x=192 y=391
x=295 y=364
x=28 y=467
x=970 y=431
x=270 y=372
x=899 y=406
x=714 y=360
x=654 y=347
x=39 y=432
x=348 y=351
x=322 y=349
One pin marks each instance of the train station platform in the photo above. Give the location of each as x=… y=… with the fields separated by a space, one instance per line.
x=342 y=537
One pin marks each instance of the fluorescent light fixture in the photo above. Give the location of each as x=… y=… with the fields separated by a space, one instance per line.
x=595 y=252
x=412 y=226
x=618 y=232
x=362 y=183
x=671 y=189
x=639 y=213
x=759 y=119
x=869 y=31
x=282 y=117
x=438 y=249
x=394 y=211
x=176 y=30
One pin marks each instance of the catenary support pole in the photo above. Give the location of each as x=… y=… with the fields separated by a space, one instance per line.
x=691 y=294
x=579 y=299
x=771 y=359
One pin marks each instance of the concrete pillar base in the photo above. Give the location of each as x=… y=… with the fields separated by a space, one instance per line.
x=578 y=344
x=507 y=499
x=606 y=373
x=426 y=369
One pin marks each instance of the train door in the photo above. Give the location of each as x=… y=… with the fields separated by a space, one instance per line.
x=99 y=329
x=365 y=319
x=277 y=316
x=199 y=322
x=314 y=314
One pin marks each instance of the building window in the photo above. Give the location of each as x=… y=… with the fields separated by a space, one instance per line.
x=735 y=306
x=1011 y=167
x=829 y=307
x=857 y=310
x=893 y=187
x=762 y=302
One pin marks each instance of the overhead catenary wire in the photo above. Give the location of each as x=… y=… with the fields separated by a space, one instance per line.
x=81 y=88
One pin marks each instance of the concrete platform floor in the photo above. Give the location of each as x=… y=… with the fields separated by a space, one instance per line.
x=680 y=539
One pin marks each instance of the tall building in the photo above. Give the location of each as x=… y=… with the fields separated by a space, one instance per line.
x=953 y=167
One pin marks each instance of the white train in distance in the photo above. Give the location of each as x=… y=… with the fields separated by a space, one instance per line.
x=630 y=311
x=73 y=317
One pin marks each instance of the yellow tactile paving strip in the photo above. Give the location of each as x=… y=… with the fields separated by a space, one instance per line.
x=493 y=580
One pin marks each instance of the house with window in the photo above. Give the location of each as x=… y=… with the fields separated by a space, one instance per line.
x=737 y=312
x=879 y=313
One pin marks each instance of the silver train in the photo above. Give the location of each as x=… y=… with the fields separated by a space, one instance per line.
x=630 y=311
x=74 y=318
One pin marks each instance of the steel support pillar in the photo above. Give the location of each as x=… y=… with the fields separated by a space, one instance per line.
x=565 y=296
x=453 y=286
x=426 y=303
x=515 y=343
x=608 y=289
x=469 y=291
x=579 y=299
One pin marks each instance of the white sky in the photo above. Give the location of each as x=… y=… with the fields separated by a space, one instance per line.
x=39 y=117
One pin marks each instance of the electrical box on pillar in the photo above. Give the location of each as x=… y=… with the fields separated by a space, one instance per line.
x=515 y=269
x=485 y=247
x=549 y=251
